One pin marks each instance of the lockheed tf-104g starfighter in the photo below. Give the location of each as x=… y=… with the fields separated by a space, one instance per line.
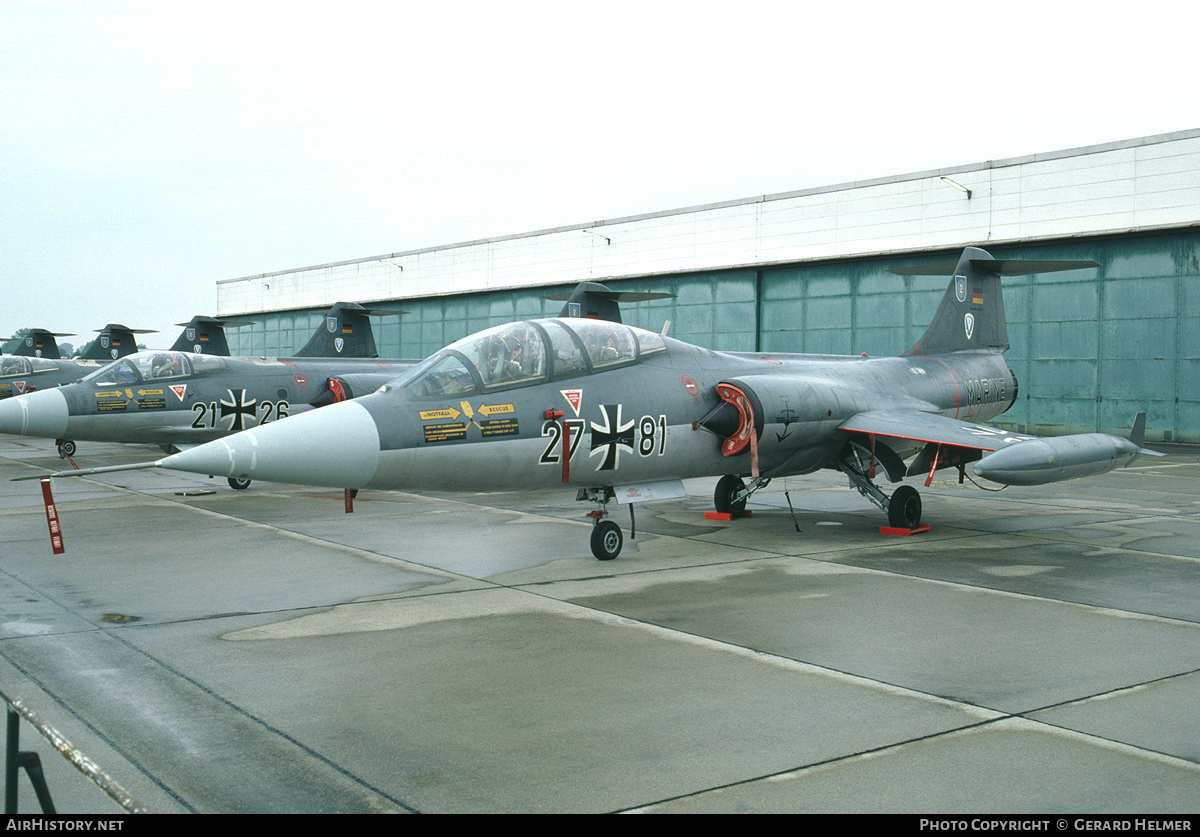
x=176 y=399
x=624 y=414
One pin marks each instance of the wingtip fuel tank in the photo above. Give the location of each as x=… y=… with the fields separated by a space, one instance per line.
x=1045 y=460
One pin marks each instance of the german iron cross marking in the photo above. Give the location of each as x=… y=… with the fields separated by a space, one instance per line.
x=237 y=406
x=611 y=437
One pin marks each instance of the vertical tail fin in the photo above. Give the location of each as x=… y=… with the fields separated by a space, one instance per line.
x=345 y=332
x=37 y=342
x=115 y=341
x=205 y=336
x=595 y=301
x=971 y=314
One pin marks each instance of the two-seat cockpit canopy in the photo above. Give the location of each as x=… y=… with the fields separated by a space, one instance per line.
x=519 y=354
x=151 y=366
x=19 y=365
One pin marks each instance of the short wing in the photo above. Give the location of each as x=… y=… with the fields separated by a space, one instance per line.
x=931 y=427
x=948 y=441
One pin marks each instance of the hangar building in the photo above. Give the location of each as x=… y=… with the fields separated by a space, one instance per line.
x=806 y=271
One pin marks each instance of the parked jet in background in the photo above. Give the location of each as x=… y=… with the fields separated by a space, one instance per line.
x=626 y=414
x=36 y=364
x=593 y=301
x=20 y=374
x=176 y=399
x=345 y=332
x=179 y=399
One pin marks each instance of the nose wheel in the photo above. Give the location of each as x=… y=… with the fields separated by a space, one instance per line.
x=607 y=540
x=607 y=537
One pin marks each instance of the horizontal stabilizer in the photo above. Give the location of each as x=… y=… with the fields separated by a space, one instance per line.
x=971 y=314
x=38 y=342
x=221 y=321
x=206 y=335
x=117 y=327
x=115 y=341
x=1002 y=267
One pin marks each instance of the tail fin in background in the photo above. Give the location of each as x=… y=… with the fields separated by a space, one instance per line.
x=115 y=341
x=345 y=332
x=205 y=336
x=598 y=302
x=971 y=314
x=37 y=342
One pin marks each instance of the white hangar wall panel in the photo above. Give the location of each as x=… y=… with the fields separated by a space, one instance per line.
x=1138 y=184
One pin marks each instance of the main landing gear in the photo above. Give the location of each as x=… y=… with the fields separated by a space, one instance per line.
x=66 y=448
x=903 y=508
x=732 y=493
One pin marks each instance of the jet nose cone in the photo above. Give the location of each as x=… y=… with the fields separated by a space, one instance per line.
x=43 y=413
x=335 y=446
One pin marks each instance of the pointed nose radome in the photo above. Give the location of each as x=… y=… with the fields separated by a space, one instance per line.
x=43 y=413
x=335 y=446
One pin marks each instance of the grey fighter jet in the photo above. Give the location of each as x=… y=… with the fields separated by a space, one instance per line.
x=179 y=399
x=20 y=374
x=619 y=413
x=127 y=402
x=345 y=332
x=176 y=399
x=36 y=363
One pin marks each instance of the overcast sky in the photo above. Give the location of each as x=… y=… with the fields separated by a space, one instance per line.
x=149 y=149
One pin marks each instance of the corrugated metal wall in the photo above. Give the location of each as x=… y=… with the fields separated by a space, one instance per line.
x=1089 y=348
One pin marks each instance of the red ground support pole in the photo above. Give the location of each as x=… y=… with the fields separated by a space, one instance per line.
x=56 y=538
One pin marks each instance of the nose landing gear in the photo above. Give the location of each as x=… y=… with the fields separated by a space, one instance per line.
x=607 y=538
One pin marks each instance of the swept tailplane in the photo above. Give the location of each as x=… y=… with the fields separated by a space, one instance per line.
x=971 y=314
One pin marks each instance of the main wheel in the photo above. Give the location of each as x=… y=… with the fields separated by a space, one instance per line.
x=67 y=448
x=727 y=489
x=607 y=540
x=904 y=509
x=239 y=483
